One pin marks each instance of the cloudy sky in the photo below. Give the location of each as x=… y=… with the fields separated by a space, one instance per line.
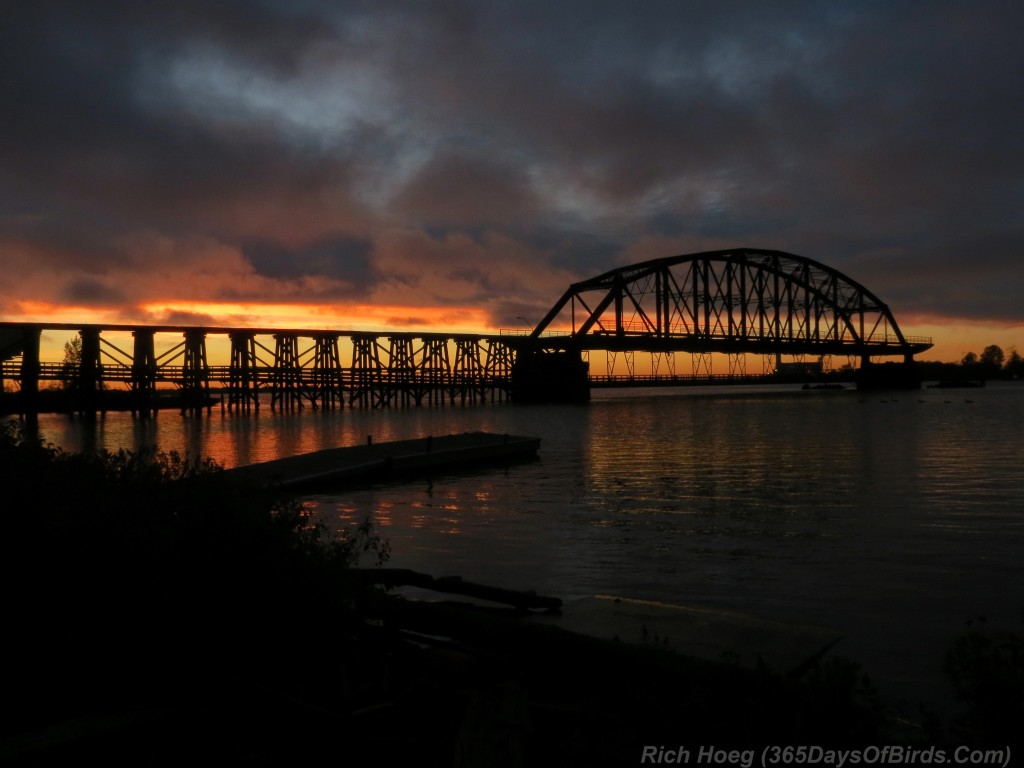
x=458 y=164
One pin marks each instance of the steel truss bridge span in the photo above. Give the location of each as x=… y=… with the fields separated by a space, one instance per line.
x=728 y=301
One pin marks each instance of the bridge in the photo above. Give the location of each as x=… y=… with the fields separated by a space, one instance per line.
x=732 y=302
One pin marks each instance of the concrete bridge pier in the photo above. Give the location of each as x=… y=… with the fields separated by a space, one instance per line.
x=891 y=375
x=540 y=376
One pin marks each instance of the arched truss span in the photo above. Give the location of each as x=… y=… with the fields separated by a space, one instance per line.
x=745 y=300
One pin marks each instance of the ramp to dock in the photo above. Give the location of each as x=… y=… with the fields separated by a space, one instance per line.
x=400 y=457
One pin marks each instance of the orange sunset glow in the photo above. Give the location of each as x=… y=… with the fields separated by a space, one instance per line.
x=365 y=317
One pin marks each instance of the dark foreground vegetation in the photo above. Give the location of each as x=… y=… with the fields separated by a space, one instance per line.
x=158 y=613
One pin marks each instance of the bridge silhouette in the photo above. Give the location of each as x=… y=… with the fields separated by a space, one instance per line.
x=732 y=302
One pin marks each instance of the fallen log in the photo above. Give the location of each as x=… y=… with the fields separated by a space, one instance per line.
x=403 y=577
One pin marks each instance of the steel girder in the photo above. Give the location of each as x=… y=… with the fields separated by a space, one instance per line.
x=732 y=301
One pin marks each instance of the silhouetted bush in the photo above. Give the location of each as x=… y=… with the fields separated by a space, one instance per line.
x=986 y=668
x=147 y=585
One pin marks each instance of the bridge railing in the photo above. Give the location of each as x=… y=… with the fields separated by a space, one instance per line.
x=653 y=379
x=261 y=376
x=639 y=330
x=527 y=332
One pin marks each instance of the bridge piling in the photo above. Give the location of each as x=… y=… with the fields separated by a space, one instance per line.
x=434 y=373
x=243 y=374
x=88 y=380
x=143 y=375
x=195 y=378
x=468 y=372
x=29 y=373
x=401 y=387
x=367 y=373
x=285 y=382
x=328 y=388
x=500 y=358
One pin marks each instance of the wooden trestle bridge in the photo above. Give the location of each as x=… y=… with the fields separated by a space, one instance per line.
x=735 y=303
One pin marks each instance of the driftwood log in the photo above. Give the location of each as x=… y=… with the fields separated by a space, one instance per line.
x=403 y=577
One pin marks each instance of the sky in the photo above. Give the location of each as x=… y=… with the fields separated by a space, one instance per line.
x=456 y=165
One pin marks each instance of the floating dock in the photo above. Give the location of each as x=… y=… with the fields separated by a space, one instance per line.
x=400 y=457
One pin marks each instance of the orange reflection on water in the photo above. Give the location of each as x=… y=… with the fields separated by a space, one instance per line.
x=434 y=518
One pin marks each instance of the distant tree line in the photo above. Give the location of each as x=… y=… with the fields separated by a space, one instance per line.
x=992 y=363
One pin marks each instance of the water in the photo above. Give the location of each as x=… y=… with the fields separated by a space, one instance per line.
x=894 y=518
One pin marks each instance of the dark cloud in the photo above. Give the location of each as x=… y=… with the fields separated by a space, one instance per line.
x=407 y=321
x=975 y=277
x=185 y=318
x=467 y=191
x=344 y=258
x=490 y=153
x=90 y=291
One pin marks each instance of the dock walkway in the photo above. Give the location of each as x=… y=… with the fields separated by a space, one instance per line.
x=360 y=462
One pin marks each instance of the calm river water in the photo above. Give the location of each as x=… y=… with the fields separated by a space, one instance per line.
x=894 y=518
